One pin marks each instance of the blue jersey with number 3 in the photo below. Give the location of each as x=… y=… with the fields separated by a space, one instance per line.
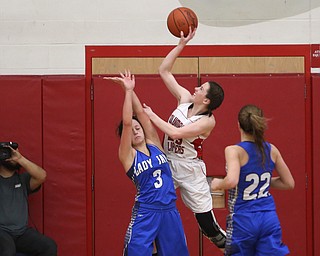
x=252 y=192
x=153 y=178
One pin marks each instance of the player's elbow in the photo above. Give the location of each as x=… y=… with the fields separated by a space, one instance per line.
x=291 y=184
x=163 y=71
x=288 y=184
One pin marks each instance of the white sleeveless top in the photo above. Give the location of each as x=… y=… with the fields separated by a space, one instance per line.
x=189 y=148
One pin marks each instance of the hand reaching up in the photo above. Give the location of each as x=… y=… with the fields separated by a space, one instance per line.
x=126 y=80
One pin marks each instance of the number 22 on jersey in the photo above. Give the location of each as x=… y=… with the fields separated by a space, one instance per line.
x=263 y=180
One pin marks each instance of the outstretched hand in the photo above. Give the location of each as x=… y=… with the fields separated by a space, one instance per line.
x=126 y=80
x=185 y=39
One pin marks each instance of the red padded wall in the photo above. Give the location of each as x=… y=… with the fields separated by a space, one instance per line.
x=282 y=99
x=316 y=160
x=21 y=121
x=49 y=124
x=65 y=161
x=114 y=192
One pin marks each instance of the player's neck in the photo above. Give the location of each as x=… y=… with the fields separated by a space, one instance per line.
x=143 y=148
x=196 y=110
x=246 y=137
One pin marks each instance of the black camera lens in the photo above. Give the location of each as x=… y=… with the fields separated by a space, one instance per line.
x=5 y=151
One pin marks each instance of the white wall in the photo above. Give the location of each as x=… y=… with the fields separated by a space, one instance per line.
x=48 y=37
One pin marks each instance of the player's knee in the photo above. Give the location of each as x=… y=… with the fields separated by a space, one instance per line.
x=211 y=229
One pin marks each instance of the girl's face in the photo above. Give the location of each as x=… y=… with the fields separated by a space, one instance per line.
x=200 y=93
x=137 y=133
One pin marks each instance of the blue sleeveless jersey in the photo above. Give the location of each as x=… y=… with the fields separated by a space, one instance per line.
x=252 y=192
x=153 y=178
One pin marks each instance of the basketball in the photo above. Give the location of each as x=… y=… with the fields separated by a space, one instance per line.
x=180 y=19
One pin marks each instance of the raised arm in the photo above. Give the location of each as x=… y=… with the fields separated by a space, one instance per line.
x=285 y=179
x=202 y=127
x=38 y=174
x=149 y=129
x=126 y=151
x=179 y=92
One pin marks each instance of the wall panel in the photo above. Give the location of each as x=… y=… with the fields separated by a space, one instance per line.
x=65 y=161
x=282 y=99
x=21 y=121
x=316 y=161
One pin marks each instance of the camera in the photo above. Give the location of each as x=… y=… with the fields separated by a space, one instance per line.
x=5 y=151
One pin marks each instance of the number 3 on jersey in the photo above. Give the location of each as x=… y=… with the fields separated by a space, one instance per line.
x=264 y=178
x=158 y=182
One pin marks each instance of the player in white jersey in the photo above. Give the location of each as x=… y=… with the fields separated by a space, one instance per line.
x=188 y=126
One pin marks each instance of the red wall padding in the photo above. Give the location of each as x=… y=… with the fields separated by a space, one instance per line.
x=316 y=161
x=65 y=160
x=46 y=116
x=282 y=99
x=21 y=121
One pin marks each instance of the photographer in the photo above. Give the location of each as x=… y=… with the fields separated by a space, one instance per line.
x=15 y=235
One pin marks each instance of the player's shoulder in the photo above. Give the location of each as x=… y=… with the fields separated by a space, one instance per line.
x=275 y=152
x=210 y=120
x=234 y=149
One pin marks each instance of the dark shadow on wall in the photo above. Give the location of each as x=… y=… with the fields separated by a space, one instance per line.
x=233 y=13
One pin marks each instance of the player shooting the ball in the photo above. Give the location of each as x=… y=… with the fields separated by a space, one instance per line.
x=188 y=126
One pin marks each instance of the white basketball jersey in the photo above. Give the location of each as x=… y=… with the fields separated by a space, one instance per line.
x=189 y=148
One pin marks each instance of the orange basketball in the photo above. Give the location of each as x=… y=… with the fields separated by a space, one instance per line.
x=180 y=19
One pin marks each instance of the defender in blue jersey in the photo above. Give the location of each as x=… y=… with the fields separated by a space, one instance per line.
x=155 y=218
x=253 y=227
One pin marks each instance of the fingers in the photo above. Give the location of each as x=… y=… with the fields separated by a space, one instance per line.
x=123 y=75
x=127 y=73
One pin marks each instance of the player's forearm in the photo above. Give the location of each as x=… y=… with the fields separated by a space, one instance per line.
x=165 y=127
x=167 y=63
x=127 y=108
x=277 y=183
x=136 y=104
x=223 y=184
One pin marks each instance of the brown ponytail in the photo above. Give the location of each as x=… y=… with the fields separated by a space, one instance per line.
x=252 y=121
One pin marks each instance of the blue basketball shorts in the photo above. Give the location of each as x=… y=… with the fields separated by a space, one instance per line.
x=163 y=226
x=254 y=234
